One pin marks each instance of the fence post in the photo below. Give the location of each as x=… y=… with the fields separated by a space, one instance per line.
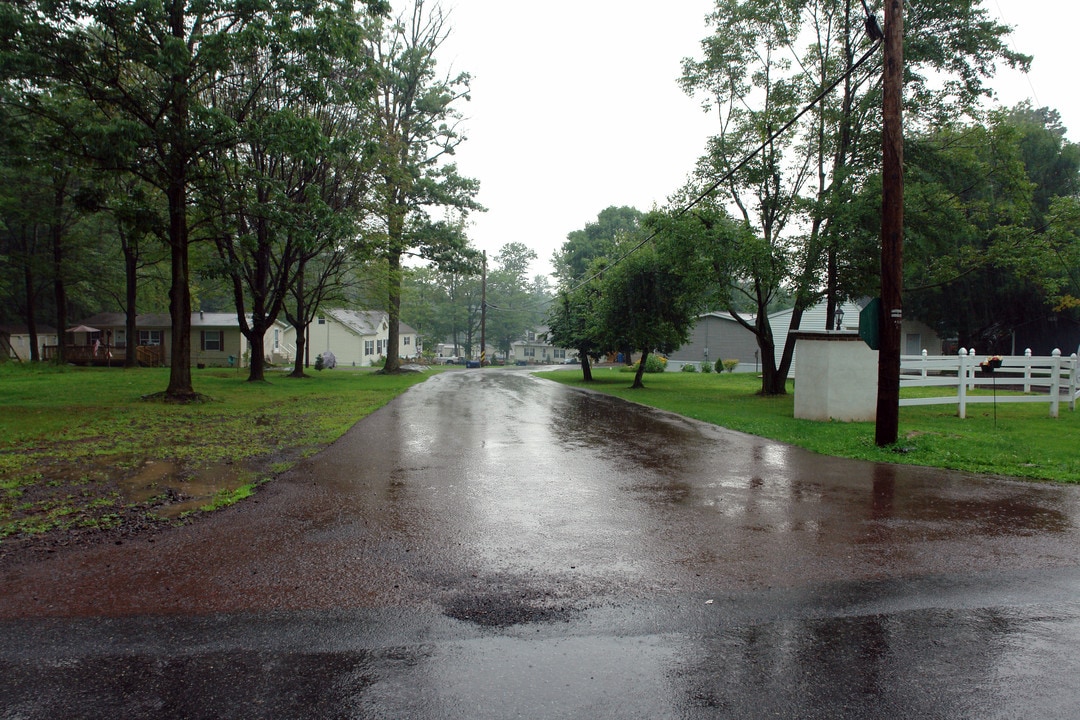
x=1055 y=382
x=924 y=353
x=1027 y=370
x=1074 y=386
x=961 y=384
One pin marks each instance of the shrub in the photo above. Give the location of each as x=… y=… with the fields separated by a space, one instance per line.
x=319 y=362
x=730 y=365
x=706 y=367
x=689 y=367
x=655 y=364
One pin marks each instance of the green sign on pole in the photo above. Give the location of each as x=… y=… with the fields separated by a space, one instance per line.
x=870 y=323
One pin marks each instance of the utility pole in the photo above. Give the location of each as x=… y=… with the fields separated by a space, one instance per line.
x=892 y=228
x=483 y=312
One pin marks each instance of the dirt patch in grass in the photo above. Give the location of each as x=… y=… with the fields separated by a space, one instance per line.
x=76 y=504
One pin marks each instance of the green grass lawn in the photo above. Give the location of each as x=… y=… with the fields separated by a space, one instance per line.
x=71 y=437
x=1023 y=440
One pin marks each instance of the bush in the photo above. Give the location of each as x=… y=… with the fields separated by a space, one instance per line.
x=655 y=364
x=730 y=365
x=319 y=362
x=706 y=367
x=689 y=367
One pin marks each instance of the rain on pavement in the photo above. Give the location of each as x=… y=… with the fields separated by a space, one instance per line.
x=495 y=545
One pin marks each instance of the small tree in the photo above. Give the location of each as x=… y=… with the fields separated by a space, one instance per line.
x=652 y=296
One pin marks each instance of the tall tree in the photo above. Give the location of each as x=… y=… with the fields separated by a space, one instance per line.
x=574 y=319
x=289 y=187
x=417 y=118
x=757 y=79
x=514 y=304
x=574 y=322
x=655 y=287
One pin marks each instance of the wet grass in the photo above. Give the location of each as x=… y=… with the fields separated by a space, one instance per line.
x=69 y=437
x=1020 y=440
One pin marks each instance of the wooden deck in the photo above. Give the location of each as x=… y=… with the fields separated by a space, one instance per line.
x=106 y=356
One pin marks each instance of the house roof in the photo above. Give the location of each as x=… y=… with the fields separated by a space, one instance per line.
x=23 y=330
x=724 y=315
x=365 y=322
x=119 y=320
x=164 y=320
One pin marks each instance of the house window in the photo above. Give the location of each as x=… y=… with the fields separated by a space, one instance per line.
x=558 y=353
x=322 y=321
x=405 y=340
x=150 y=337
x=369 y=347
x=381 y=344
x=530 y=352
x=277 y=338
x=211 y=340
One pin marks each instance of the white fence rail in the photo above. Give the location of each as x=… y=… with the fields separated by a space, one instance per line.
x=1042 y=379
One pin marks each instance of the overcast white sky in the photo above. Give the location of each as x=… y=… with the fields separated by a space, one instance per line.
x=575 y=105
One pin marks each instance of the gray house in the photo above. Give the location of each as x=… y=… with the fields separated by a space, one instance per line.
x=719 y=336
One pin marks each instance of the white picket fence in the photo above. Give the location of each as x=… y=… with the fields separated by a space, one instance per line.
x=1042 y=379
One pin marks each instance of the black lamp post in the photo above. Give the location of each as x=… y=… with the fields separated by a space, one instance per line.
x=838 y=318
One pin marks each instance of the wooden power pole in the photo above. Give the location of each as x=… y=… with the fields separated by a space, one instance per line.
x=483 y=313
x=892 y=228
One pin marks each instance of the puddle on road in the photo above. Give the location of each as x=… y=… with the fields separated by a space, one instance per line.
x=183 y=491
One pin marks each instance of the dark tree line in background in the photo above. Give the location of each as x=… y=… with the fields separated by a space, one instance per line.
x=275 y=151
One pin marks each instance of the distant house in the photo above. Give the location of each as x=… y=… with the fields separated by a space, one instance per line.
x=915 y=336
x=719 y=336
x=216 y=340
x=359 y=337
x=534 y=348
x=15 y=340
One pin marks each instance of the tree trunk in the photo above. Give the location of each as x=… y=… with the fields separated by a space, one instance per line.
x=257 y=339
x=59 y=291
x=180 y=387
x=299 y=321
x=176 y=159
x=393 y=364
x=772 y=383
x=640 y=371
x=586 y=367
x=301 y=349
x=131 y=356
x=31 y=312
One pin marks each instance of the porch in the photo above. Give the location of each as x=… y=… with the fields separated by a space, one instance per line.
x=105 y=355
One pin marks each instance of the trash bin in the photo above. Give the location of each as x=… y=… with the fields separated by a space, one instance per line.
x=472 y=363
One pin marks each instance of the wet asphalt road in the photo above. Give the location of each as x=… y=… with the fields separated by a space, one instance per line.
x=492 y=545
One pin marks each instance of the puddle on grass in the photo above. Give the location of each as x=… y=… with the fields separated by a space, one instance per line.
x=182 y=492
